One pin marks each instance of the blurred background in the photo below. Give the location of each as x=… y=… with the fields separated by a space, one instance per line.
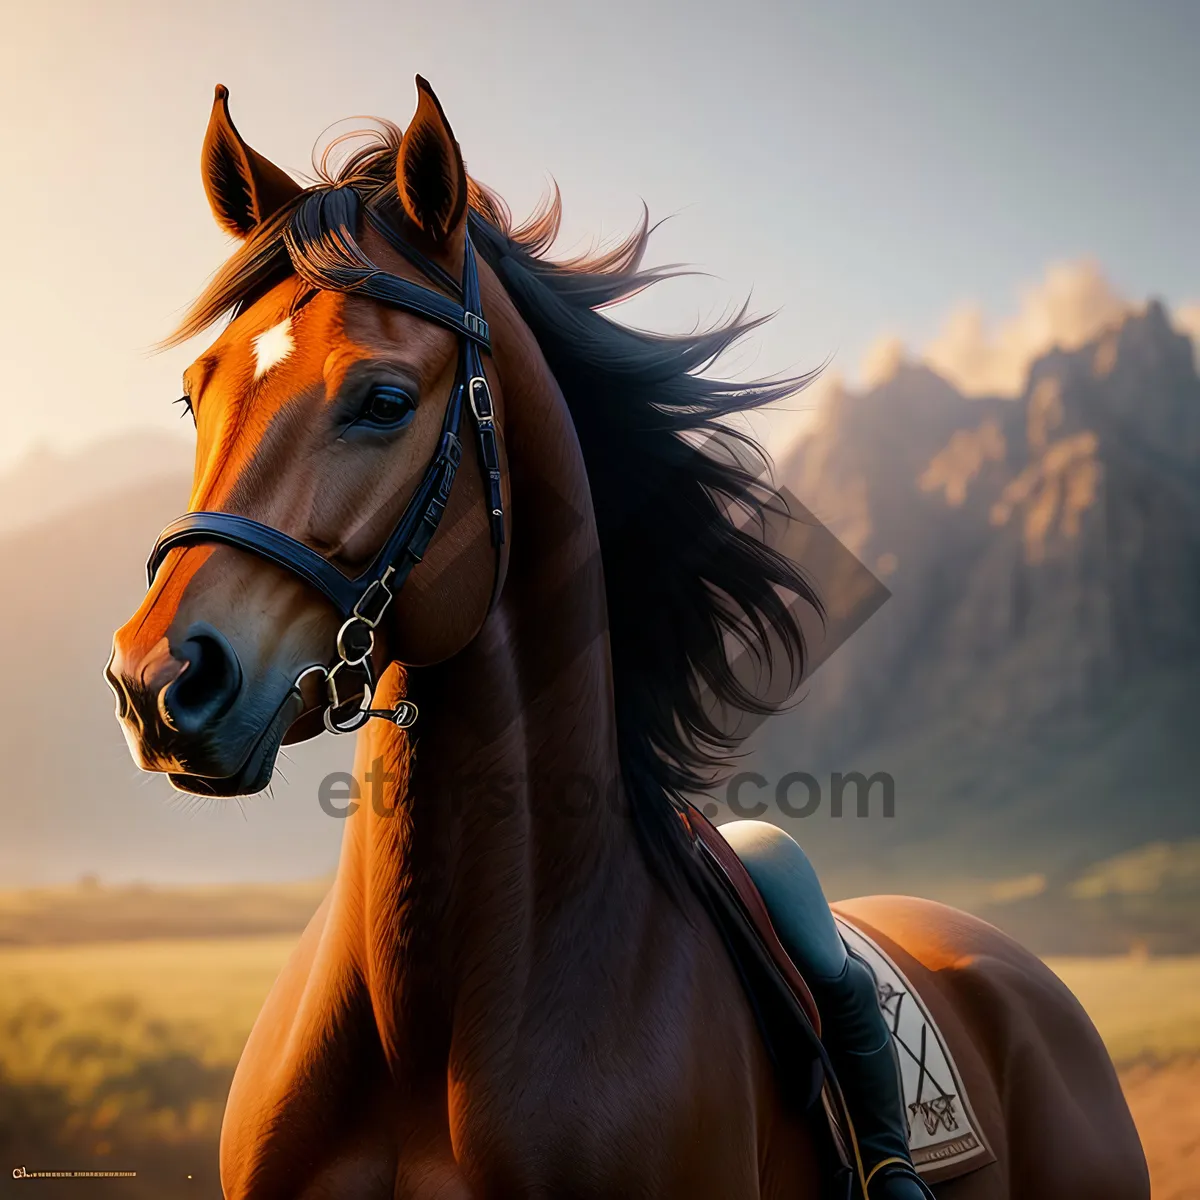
x=980 y=220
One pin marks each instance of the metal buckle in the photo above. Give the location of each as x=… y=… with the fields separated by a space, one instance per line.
x=477 y=326
x=450 y=449
x=478 y=387
x=369 y=594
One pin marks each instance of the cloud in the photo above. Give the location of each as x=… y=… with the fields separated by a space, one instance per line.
x=1072 y=304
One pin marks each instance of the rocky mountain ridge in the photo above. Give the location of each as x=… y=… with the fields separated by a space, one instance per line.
x=1043 y=555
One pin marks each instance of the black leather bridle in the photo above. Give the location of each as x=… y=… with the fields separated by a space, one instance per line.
x=361 y=602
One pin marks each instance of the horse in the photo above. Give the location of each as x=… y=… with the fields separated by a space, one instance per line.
x=512 y=987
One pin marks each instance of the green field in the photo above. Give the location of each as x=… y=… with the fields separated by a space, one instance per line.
x=120 y=1054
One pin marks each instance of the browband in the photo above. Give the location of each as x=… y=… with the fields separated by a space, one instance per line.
x=334 y=261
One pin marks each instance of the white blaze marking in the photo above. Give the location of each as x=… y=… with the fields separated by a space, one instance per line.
x=272 y=347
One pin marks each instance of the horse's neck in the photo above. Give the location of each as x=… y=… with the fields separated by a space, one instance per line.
x=503 y=836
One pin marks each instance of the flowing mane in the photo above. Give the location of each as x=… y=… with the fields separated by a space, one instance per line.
x=680 y=498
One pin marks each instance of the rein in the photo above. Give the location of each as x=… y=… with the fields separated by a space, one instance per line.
x=362 y=601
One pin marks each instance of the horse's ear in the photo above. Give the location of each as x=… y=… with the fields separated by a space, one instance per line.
x=430 y=177
x=243 y=187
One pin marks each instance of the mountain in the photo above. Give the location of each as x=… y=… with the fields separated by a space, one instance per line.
x=1033 y=684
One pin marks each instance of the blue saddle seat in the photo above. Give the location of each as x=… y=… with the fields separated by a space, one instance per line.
x=792 y=893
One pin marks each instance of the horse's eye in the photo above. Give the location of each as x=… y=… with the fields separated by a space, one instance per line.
x=388 y=407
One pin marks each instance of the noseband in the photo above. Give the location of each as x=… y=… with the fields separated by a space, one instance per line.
x=361 y=602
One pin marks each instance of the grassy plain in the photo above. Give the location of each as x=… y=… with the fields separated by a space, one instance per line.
x=119 y=1055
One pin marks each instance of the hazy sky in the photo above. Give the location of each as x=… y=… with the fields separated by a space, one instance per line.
x=864 y=167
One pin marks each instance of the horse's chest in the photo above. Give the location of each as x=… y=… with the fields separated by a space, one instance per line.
x=598 y=1129
x=591 y=1138
x=499 y=1145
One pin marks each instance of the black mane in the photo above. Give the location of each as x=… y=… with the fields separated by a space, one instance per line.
x=681 y=500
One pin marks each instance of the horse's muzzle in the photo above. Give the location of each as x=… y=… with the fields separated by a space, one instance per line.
x=185 y=710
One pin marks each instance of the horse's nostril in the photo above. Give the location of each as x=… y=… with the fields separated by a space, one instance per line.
x=208 y=686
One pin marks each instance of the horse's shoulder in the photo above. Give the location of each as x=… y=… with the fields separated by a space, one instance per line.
x=291 y=1045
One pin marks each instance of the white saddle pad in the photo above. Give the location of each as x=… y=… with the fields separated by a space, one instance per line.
x=943 y=1135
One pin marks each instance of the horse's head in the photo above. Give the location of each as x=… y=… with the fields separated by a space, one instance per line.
x=320 y=412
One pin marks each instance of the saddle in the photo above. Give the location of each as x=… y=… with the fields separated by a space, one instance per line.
x=945 y=1138
x=782 y=1003
x=729 y=873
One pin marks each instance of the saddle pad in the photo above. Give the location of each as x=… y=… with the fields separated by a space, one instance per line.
x=944 y=1136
